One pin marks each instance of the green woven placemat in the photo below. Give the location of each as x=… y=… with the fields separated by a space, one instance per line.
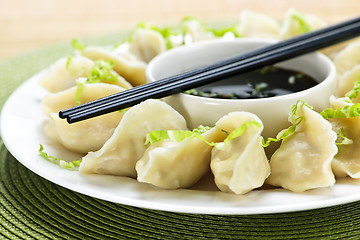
x=34 y=208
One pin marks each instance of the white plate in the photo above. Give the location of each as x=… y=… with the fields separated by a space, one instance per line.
x=21 y=129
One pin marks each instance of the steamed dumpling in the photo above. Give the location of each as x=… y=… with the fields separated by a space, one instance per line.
x=303 y=160
x=346 y=82
x=171 y=165
x=196 y=30
x=147 y=43
x=87 y=135
x=125 y=64
x=347 y=161
x=257 y=25
x=126 y=146
x=240 y=165
x=347 y=58
x=295 y=24
x=63 y=73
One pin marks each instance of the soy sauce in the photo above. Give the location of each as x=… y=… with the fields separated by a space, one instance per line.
x=266 y=82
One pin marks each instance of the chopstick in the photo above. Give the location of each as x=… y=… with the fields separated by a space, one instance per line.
x=245 y=62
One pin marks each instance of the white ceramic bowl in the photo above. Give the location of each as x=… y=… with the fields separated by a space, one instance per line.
x=272 y=111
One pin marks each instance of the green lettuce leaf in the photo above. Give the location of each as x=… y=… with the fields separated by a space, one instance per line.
x=347 y=111
x=240 y=130
x=101 y=72
x=177 y=135
x=344 y=140
x=63 y=164
x=294 y=119
x=76 y=44
x=181 y=135
x=304 y=26
x=354 y=92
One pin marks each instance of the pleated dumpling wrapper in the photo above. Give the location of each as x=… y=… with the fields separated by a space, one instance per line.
x=64 y=73
x=126 y=64
x=177 y=159
x=195 y=30
x=239 y=164
x=258 y=25
x=296 y=23
x=126 y=146
x=303 y=160
x=346 y=82
x=348 y=58
x=345 y=119
x=87 y=135
x=147 y=43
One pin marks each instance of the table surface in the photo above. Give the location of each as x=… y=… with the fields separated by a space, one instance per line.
x=28 y=25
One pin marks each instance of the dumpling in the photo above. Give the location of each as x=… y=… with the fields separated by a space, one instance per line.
x=347 y=161
x=126 y=146
x=147 y=43
x=125 y=64
x=196 y=30
x=347 y=58
x=295 y=24
x=87 y=135
x=257 y=25
x=346 y=82
x=170 y=164
x=63 y=73
x=303 y=160
x=241 y=164
x=333 y=50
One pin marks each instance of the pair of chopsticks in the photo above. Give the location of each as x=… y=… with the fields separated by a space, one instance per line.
x=248 y=61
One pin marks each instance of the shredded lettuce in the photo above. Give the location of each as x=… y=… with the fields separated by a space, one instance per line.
x=63 y=164
x=344 y=140
x=80 y=83
x=354 y=92
x=347 y=111
x=294 y=119
x=181 y=135
x=304 y=26
x=68 y=63
x=177 y=135
x=101 y=72
x=76 y=44
x=240 y=130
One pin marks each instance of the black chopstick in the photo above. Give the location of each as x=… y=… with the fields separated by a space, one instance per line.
x=242 y=57
x=239 y=64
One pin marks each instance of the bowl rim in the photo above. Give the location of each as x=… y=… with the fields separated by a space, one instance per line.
x=330 y=76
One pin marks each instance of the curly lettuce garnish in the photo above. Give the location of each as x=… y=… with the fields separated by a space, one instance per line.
x=101 y=72
x=303 y=24
x=294 y=119
x=354 y=92
x=63 y=164
x=76 y=44
x=181 y=135
x=240 y=130
x=347 y=111
x=178 y=135
x=344 y=140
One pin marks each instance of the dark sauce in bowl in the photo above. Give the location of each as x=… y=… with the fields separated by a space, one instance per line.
x=266 y=82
